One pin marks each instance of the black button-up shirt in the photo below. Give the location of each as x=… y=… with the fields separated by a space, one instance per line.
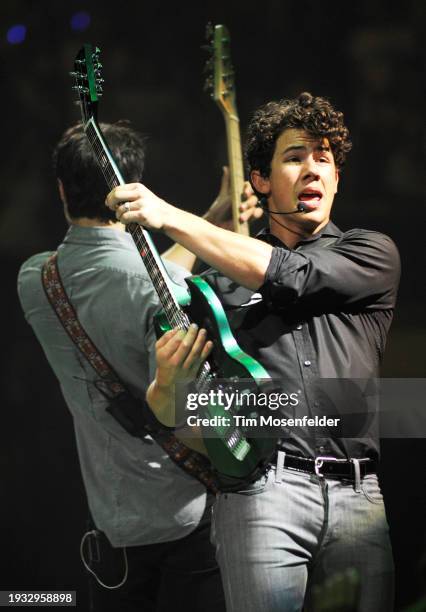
x=319 y=325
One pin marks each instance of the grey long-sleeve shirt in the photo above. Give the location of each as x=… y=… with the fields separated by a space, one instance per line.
x=136 y=494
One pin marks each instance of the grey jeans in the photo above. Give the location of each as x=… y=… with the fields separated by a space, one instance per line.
x=290 y=531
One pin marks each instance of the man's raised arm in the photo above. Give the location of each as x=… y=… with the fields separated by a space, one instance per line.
x=241 y=258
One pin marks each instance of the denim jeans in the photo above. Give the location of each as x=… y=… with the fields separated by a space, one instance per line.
x=290 y=531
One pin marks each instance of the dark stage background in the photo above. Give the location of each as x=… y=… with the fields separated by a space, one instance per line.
x=366 y=56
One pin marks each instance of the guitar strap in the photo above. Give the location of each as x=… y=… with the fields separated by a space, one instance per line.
x=133 y=414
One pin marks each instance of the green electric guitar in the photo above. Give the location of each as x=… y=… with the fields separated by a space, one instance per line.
x=221 y=87
x=230 y=451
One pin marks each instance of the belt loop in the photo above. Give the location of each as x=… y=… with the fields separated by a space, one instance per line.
x=357 y=470
x=280 y=466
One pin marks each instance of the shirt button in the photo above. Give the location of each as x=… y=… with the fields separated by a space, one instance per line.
x=299 y=327
x=321 y=449
x=307 y=363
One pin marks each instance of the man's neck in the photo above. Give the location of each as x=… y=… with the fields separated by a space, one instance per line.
x=293 y=234
x=86 y=222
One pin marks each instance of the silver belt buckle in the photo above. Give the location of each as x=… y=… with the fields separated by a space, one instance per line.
x=319 y=463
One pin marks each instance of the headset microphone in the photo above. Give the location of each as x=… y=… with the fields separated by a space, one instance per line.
x=301 y=208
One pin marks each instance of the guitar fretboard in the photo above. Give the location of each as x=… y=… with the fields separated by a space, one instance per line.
x=236 y=169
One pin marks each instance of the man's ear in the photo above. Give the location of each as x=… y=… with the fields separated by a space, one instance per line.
x=259 y=182
x=62 y=191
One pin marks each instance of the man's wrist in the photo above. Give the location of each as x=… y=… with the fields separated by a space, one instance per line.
x=174 y=219
x=160 y=399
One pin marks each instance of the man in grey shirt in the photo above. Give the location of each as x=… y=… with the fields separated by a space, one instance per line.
x=149 y=515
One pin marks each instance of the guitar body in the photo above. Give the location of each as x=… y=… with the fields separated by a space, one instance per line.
x=230 y=363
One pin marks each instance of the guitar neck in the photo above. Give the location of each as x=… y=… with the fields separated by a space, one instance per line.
x=147 y=250
x=236 y=169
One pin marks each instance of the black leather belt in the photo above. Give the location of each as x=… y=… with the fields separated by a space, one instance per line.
x=329 y=466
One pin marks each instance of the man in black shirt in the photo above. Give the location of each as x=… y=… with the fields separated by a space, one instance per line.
x=313 y=305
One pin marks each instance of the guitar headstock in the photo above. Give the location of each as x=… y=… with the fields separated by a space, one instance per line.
x=88 y=81
x=220 y=80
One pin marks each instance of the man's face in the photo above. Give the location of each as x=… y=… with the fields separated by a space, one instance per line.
x=302 y=170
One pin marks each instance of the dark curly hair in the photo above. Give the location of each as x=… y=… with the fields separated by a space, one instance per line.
x=76 y=166
x=315 y=115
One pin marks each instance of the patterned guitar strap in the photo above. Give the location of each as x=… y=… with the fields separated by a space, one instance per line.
x=133 y=414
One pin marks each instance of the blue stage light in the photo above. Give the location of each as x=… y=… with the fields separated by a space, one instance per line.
x=80 y=21
x=16 y=34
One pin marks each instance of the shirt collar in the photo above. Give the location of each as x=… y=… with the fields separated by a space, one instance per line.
x=328 y=230
x=77 y=234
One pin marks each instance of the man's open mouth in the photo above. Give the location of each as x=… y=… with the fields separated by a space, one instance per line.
x=309 y=196
x=311 y=199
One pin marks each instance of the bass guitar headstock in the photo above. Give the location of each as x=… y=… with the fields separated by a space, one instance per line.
x=88 y=81
x=220 y=72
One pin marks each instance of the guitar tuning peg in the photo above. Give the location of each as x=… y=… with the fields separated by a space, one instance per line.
x=99 y=89
x=77 y=76
x=80 y=89
x=97 y=50
x=100 y=80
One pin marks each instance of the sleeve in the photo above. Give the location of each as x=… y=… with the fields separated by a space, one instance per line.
x=30 y=289
x=360 y=270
